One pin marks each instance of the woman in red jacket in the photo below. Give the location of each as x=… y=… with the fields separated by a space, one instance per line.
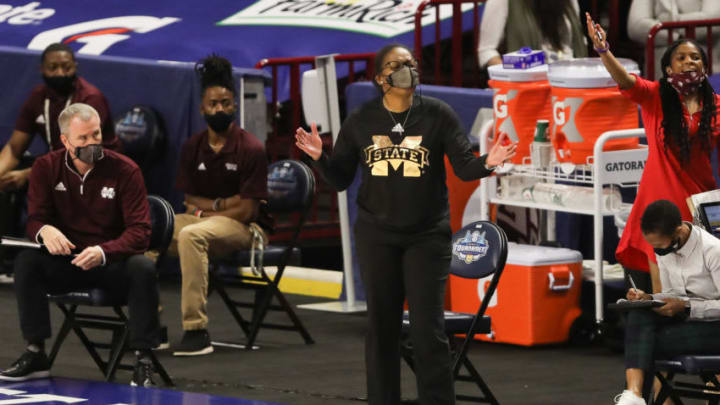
x=679 y=114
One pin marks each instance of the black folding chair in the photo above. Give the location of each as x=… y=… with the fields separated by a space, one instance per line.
x=479 y=250
x=705 y=367
x=291 y=187
x=163 y=220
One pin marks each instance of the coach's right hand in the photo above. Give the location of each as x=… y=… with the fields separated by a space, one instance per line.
x=55 y=242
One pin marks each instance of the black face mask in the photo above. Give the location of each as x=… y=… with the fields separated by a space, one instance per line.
x=220 y=121
x=64 y=85
x=90 y=153
x=670 y=249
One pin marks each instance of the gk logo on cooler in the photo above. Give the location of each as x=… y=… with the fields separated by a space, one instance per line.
x=503 y=120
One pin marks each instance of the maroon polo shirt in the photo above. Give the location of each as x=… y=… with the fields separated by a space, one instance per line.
x=108 y=207
x=32 y=114
x=240 y=167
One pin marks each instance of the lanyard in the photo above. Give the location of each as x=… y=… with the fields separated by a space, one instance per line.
x=46 y=115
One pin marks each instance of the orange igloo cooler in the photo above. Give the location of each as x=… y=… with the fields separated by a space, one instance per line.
x=520 y=98
x=537 y=298
x=585 y=104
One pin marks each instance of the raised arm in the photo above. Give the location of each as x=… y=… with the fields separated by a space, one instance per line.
x=599 y=39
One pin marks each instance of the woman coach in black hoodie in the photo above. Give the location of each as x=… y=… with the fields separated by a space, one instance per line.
x=403 y=232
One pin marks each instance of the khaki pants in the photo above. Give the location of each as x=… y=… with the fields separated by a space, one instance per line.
x=194 y=240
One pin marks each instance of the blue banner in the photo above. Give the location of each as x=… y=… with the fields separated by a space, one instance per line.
x=243 y=31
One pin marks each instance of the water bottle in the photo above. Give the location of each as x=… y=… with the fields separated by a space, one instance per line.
x=541 y=149
x=565 y=195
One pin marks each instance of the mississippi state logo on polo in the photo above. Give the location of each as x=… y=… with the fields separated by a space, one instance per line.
x=107 y=192
x=472 y=247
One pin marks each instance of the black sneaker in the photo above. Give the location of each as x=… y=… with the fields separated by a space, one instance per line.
x=194 y=343
x=29 y=366
x=143 y=374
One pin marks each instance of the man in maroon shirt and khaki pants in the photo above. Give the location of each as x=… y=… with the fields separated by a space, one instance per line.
x=88 y=207
x=223 y=173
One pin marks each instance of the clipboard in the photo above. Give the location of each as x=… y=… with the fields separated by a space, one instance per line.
x=9 y=241
x=625 y=305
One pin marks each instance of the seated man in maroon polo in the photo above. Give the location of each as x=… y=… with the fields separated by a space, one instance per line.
x=39 y=113
x=223 y=173
x=88 y=207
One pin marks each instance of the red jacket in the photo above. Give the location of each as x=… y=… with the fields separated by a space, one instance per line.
x=108 y=207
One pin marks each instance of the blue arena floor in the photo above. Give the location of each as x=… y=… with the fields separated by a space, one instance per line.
x=71 y=391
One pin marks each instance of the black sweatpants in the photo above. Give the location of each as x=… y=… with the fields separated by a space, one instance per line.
x=650 y=336
x=415 y=266
x=37 y=273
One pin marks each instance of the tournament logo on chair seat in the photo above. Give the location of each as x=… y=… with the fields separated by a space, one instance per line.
x=472 y=247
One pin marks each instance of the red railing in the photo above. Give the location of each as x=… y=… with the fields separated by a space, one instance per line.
x=689 y=27
x=323 y=217
x=456 y=41
x=294 y=65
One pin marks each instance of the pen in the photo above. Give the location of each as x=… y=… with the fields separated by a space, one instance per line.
x=632 y=283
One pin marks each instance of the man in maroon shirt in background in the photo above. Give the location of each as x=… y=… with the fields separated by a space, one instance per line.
x=88 y=207
x=39 y=113
x=223 y=173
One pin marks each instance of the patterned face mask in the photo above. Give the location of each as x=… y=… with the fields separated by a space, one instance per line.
x=686 y=83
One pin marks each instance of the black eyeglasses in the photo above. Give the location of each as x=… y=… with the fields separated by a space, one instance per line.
x=397 y=64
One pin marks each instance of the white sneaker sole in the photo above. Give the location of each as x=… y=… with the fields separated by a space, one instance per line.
x=134 y=384
x=162 y=346
x=32 y=376
x=204 y=351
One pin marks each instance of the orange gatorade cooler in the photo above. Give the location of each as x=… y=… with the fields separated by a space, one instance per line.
x=520 y=98
x=537 y=298
x=585 y=104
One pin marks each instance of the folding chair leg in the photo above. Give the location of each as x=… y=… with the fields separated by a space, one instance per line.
x=217 y=286
x=293 y=317
x=72 y=324
x=116 y=355
x=62 y=334
x=161 y=370
x=666 y=390
x=261 y=311
x=479 y=381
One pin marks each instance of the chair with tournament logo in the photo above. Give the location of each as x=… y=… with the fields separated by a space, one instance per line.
x=479 y=251
x=291 y=188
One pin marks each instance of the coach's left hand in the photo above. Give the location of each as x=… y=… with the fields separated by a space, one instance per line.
x=672 y=307
x=89 y=258
x=502 y=152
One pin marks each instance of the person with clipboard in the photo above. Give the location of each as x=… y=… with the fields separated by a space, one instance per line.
x=688 y=322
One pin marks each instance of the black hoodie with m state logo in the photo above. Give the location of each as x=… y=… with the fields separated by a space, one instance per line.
x=403 y=174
